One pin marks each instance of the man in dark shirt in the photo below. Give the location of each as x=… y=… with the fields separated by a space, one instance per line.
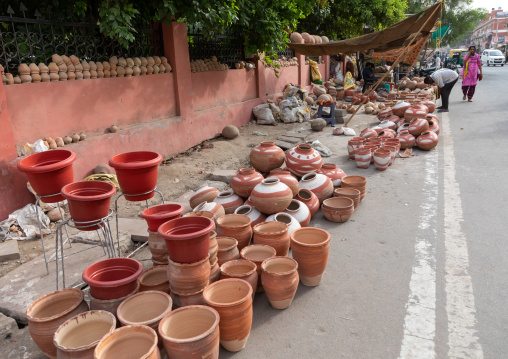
x=368 y=75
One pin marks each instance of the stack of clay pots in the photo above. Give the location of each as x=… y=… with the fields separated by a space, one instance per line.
x=51 y=143
x=305 y=38
x=286 y=61
x=211 y=64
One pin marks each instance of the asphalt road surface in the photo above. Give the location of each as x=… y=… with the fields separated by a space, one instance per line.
x=421 y=269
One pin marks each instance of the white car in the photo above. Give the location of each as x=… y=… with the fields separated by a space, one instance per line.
x=493 y=57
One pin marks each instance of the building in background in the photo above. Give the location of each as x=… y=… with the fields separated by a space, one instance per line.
x=492 y=32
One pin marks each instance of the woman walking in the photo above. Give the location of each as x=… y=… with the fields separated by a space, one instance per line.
x=472 y=64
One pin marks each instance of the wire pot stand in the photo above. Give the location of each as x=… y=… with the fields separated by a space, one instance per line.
x=106 y=241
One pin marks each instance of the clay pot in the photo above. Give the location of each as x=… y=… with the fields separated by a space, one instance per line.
x=338 y=209
x=245 y=180
x=154 y=278
x=333 y=172
x=266 y=157
x=132 y=341
x=274 y=234
x=287 y=178
x=400 y=108
x=417 y=126
x=237 y=226
x=157 y=215
x=251 y=212
x=271 y=196
x=353 y=144
x=403 y=127
x=388 y=124
x=427 y=140
x=187 y=278
x=310 y=248
x=79 y=335
x=48 y=312
x=191 y=333
x=299 y=211
x=387 y=133
x=286 y=218
x=229 y=201
x=368 y=132
x=214 y=271
x=407 y=140
x=382 y=159
x=352 y=193
x=431 y=105
x=213 y=207
x=383 y=114
x=232 y=299
x=109 y=305
x=183 y=300
x=303 y=159
x=203 y=194
x=433 y=126
x=393 y=152
x=214 y=247
x=157 y=246
x=319 y=184
x=392 y=142
x=257 y=253
x=415 y=111
x=318 y=124
x=279 y=276
x=309 y=199
x=228 y=249
x=241 y=269
x=187 y=238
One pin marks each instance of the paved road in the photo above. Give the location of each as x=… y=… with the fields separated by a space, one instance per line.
x=420 y=271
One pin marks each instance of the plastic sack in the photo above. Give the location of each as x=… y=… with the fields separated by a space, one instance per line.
x=26 y=218
x=264 y=115
x=36 y=147
x=322 y=149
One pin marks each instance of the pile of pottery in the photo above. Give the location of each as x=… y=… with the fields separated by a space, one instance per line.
x=381 y=151
x=51 y=143
x=240 y=65
x=286 y=61
x=305 y=38
x=211 y=64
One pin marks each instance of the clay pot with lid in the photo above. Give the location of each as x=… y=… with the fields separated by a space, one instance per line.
x=266 y=157
x=191 y=332
x=338 y=209
x=271 y=196
x=213 y=207
x=382 y=159
x=46 y=314
x=237 y=226
x=309 y=199
x=352 y=193
x=286 y=177
x=154 y=278
x=407 y=140
x=320 y=184
x=132 y=341
x=186 y=278
x=203 y=194
x=333 y=172
x=157 y=215
x=232 y=299
x=245 y=180
x=299 y=211
x=251 y=212
x=279 y=276
x=241 y=269
x=79 y=335
x=274 y=234
x=417 y=126
x=228 y=249
x=303 y=159
x=229 y=201
x=257 y=253
x=427 y=140
x=157 y=247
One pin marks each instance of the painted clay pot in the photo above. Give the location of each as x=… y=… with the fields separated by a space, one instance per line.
x=286 y=218
x=214 y=271
x=214 y=247
x=132 y=341
x=237 y=226
x=157 y=246
x=299 y=211
x=186 y=278
x=287 y=178
x=206 y=214
x=213 y=207
x=417 y=126
x=427 y=140
x=431 y=105
x=403 y=127
x=181 y=300
x=333 y=172
x=310 y=247
x=157 y=215
x=383 y=114
x=319 y=184
x=388 y=124
x=407 y=140
x=109 y=305
x=382 y=159
x=48 y=312
x=257 y=253
x=266 y=157
x=79 y=335
x=241 y=269
x=338 y=209
x=187 y=238
x=154 y=278
x=279 y=276
x=251 y=212
x=303 y=159
x=232 y=299
x=228 y=249
x=353 y=144
x=203 y=194
x=400 y=108
x=229 y=201
x=434 y=127
x=191 y=333
x=309 y=199
x=363 y=157
x=415 y=111
x=387 y=133
x=368 y=132
x=352 y=193
x=274 y=234
x=271 y=196
x=245 y=180
x=433 y=118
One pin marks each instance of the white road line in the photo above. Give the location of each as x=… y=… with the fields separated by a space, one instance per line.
x=420 y=321
x=463 y=341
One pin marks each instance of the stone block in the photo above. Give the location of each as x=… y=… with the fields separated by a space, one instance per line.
x=9 y=250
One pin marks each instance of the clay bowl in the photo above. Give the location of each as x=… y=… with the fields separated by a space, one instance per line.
x=353 y=181
x=338 y=209
x=154 y=278
x=257 y=253
x=352 y=193
x=130 y=342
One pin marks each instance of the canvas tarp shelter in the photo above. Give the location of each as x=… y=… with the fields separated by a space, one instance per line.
x=409 y=57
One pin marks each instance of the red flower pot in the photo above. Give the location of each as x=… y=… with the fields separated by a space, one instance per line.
x=157 y=215
x=112 y=278
x=187 y=238
x=88 y=202
x=48 y=172
x=136 y=173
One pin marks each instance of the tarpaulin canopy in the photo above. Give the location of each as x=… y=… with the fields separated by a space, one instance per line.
x=440 y=32
x=410 y=54
x=393 y=37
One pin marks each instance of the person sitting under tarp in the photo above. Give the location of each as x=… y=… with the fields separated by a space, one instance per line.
x=368 y=76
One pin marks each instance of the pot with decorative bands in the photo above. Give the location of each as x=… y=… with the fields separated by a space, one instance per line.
x=267 y=156
x=203 y=194
x=333 y=172
x=303 y=159
x=319 y=184
x=245 y=180
x=309 y=199
x=271 y=196
x=229 y=201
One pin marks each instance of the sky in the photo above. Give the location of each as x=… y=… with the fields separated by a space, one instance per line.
x=489 y=4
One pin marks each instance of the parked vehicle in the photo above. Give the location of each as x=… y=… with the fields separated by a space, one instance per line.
x=458 y=55
x=493 y=57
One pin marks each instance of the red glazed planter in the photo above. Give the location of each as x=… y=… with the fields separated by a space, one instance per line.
x=303 y=159
x=245 y=180
x=112 y=278
x=427 y=141
x=136 y=173
x=187 y=238
x=157 y=215
x=48 y=172
x=266 y=156
x=271 y=196
x=229 y=201
x=333 y=172
x=309 y=199
x=417 y=126
x=287 y=178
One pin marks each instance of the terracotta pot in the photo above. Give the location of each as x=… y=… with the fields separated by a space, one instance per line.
x=387 y=133
x=407 y=140
x=206 y=214
x=333 y=172
x=157 y=215
x=353 y=144
x=279 y=276
x=228 y=249
x=266 y=157
x=363 y=157
x=48 y=172
x=154 y=278
x=274 y=234
x=393 y=152
x=309 y=199
x=112 y=278
x=183 y=300
x=203 y=194
x=136 y=173
x=310 y=247
x=237 y=226
x=415 y=111
x=187 y=278
x=434 y=127
x=187 y=238
x=213 y=207
x=431 y=105
x=352 y=193
x=157 y=246
x=427 y=140
x=257 y=253
x=79 y=335
x=382 y=159
x=303 y=159
x=319 y=184
x=393 y=142
x=353 y=181
x=229 y=201
x=109 y=305
x=400 y=108
x=191 y=333
x=338 y=209
x=244 y=181
x=251 y=212
x=368 y=132
x=48 y=312
x=299 y=211
x=286 y=218
x=383 y=114
x=417 y=126
x=287 y=178
x=132 y=341
x=271 y=196
x=232 y=299
x=403 y=127
x=214 y=271
x=433 y=118
x=241 y=269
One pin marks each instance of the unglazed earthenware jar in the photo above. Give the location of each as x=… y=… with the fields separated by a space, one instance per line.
x=333 y=172
x=320 y=184
x=427 y=140
x=245 y=180
x=286 y=177
x=237 y=226
x=407 y=140
x=203 y=194
x=309 y=199
x=229 y=201
x=299 y=211
x=274 y=234
x=228 y=249
x=132 y=341
x=266 y=157
x=241 y=269
x=279 y=276
x=303 y=159
x=257 y=253
x=417 y=126
x=271 y=196
x=188 y=278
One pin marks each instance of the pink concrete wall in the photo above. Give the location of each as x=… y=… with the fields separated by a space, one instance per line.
x=274 y=85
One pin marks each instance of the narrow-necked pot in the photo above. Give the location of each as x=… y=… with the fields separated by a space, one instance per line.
x=245 y=180
x=310 y=248
x=188 y=278
x=257 y=253
x=154 y=278
x=320 y=184
x=157 y=215
x=251 y=212
x=309 y=199
x=279 y=276
x=286 y=177
x=213 y=207
x=203 y=194
x=241 y=269
x=274 y=234
x=237 y=226
x=299 y=211
x=228 y=249
x=271 y=196
x=132 y=341
x=229 y=201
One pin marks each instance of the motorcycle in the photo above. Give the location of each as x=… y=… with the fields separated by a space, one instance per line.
x=452 y=66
